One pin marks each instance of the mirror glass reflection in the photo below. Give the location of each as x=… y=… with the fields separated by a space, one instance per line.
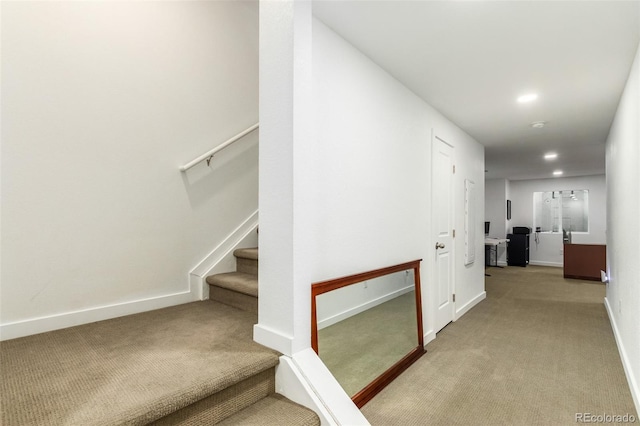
x=366 y=328
x=562 y=211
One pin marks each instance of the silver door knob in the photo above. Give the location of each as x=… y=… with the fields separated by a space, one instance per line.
x=439 y=245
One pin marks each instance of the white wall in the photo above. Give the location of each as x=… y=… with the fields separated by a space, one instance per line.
x=495 y=208
x=549 y=250
x=345 y=179
x=623 y=211
x=101 y=103
x=469 y=279
x=287 y=156
x=374 y=153
x=361 y=189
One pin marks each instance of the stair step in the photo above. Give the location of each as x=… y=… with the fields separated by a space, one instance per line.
x=274 y=410
x=136 y=369
x=237 y=289
x=247 y=253
x=234 y=299
x=223 y=404
x=247 y=260
x=248 y=266
x=236 y=281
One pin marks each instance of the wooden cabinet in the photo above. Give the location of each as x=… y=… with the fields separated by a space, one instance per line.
x=584 y=261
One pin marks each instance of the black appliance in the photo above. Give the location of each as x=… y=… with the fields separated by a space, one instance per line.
x=521 y=230
x=518 y=247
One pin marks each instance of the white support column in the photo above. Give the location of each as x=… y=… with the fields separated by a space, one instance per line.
x=286 y=126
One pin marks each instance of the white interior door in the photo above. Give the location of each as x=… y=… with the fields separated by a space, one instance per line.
x=443 y=219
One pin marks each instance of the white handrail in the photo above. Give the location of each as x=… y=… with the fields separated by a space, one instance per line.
x=209 y=155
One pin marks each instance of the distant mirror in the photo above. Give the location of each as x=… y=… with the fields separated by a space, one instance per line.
x=367 y=328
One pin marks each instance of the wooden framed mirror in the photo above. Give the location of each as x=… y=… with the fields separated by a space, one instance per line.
x=367 y=327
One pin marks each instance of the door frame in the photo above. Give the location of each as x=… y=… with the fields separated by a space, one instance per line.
x=435 y=137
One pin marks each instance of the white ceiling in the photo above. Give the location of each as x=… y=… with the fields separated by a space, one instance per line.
x=472 y=59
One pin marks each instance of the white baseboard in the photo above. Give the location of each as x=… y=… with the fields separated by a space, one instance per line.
x=273 y=339
x=543 y=263
x=70 y=319
x=221 y=259
x=626 y=364
x=326 y=322
x=467 y=306
x=197 y=291
x=431 y=335
x=291 y=383
x=339 y=408
x=428 y=337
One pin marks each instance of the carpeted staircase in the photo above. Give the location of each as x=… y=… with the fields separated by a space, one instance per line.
x=192 y=364
x=238 y=289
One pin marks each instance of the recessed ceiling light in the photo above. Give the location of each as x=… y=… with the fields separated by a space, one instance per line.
x=538 y=124
x=550 y=156
x=527 y=98
x=557 y=173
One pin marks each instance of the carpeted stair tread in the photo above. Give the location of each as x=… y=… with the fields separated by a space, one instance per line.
x=221 y=405
x=240 y=282
x=129 y=370
x=274 y=410
x=247 y=253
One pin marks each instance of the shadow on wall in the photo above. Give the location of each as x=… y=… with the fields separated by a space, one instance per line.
x=222 y=181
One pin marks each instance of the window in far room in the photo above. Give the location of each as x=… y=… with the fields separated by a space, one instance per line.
x=557 y=211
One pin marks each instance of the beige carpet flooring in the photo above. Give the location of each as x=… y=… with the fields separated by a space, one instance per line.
x=537 y=351
x=129 y=370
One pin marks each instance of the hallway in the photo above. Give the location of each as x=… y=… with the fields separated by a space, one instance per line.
x=538 y=350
